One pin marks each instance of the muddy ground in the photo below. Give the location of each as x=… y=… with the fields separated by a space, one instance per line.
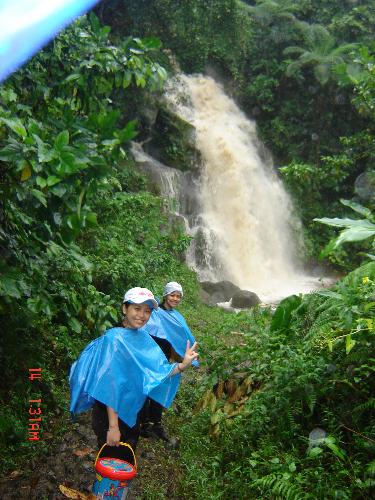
x=70 y=463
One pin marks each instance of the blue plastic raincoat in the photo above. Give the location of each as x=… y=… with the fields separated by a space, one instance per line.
x=121 y=369
x=171 y=325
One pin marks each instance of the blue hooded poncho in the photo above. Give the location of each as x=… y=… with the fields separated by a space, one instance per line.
x=171 y=325
x=121 y=369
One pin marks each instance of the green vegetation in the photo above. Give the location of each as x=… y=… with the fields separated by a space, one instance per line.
x=65 y=175
x=354 y=229
x=283 y=405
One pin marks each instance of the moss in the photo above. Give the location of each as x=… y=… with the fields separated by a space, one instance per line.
x=173 y=141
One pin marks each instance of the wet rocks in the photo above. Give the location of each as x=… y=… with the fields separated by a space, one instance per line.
x=244 y=299
x=225 y=291
x=221 y=291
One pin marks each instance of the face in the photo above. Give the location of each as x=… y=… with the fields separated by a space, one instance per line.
x=172 y=300
x=136 y=315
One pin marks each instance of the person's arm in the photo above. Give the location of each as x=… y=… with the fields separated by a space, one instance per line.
x=190 y=356
x=113 y=432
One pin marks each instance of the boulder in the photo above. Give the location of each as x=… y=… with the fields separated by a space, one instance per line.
x=172 y=141
x=205 y=297
x=221 y=291
x=244 y=299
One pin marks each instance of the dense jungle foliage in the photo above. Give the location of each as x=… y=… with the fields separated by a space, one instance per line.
x=286 y=408
x=66 y=178
x=283 y=405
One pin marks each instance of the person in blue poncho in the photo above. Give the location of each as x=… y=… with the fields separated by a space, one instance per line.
x=115 y=374
x=169 y=329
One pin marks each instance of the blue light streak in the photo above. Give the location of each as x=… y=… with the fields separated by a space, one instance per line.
x=27 y=25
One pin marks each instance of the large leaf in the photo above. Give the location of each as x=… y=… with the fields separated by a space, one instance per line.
x=331 y=444
x=151 y=43
x=282 y=316
x=58 y=191
x=127 y=79
x=128 y=132
x=349 y=343
x=62 y=139
x=45 y=154
x=91 y=218
x=366 y=212
x=362 y=223
x=355 y=234
x=41 y=181
x=76 y=495
x=40 y=196
x=75 y=325
x=26 y=172
x=52 y=180
x=11 y=151
x=72 y=77
x=95 y=24
x=10 y=286
x=73 y=222
x=15 y=125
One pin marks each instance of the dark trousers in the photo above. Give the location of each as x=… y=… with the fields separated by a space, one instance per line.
x=152 y=411
x=100 y=424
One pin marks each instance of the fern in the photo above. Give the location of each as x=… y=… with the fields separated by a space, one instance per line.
x=311 y=398
x=370 y=469
x=363 y=407
x=265 y=482
x=291 y=411
x=280 y=486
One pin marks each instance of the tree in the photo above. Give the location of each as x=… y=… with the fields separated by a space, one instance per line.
x=319 y=52
x=364 y=82
x=266 y=11
x=61 y=133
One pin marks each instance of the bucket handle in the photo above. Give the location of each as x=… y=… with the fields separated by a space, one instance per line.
x=123 y=444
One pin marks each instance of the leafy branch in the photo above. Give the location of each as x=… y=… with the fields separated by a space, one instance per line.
x=353 y=229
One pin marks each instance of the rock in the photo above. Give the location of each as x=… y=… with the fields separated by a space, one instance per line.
x=244 y=299
x=173 y=140
x=148 y=115
x=205 y=297
x=221 y=291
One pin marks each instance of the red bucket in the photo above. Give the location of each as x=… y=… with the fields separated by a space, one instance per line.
x=113 y=476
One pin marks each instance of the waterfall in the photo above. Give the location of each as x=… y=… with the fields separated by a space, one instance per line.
x=242 y=221
x=169 y=180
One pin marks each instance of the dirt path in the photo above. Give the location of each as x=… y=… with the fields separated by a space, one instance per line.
x=70 y=463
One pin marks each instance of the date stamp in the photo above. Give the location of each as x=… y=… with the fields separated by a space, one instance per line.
x=35 y=410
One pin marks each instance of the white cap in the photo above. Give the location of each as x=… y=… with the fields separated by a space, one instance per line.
x=171 y=287
x=140 y=295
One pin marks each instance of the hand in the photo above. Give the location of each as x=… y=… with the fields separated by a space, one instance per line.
x=113 y=436
x=190 y=355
